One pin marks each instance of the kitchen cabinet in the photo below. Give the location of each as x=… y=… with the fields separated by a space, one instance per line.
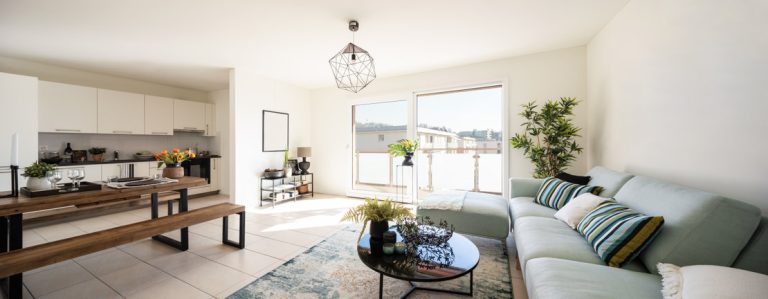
x=188 y=116
x=92 y=173
x=66 y=108
x=122 y=170
x=210 y=120
x=158 y=115
x=120 y=112
x=215 y=174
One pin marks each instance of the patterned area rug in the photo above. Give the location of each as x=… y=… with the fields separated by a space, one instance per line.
x=332 y=269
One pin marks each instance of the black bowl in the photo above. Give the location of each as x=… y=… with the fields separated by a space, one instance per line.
x=274 y=174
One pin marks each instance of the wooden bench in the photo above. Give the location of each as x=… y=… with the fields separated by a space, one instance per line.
x=19 y=261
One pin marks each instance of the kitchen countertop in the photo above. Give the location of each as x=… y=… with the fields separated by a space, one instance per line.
x=122 y=161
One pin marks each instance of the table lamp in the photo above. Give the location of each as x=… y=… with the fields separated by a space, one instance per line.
x=304 y=152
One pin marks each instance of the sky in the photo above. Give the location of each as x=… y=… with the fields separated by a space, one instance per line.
x=459 y=111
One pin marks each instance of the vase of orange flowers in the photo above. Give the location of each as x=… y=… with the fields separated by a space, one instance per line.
x=172 y=162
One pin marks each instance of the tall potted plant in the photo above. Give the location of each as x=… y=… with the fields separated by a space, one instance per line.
x=35 y=175
x=173 y=162
x=406 y=148
x=379 y=213
x=548 y=137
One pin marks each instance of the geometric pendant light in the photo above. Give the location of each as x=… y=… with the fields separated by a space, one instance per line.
x=352 y=66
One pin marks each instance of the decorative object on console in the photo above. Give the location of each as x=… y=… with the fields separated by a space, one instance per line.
x=172 y=161
x=555 y=193
x=270 y=173
x=581 y=180
x=287 y=168
x=378 y=213
x=404 y=148
x=35 y=175
x=97 y=153
x=352 y=67
x=548 y=139
x=274 y=131
x=294 y=165
x=304 y=152
x=617 y=233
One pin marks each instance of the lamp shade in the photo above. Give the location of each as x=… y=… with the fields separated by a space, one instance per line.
x=304 y=152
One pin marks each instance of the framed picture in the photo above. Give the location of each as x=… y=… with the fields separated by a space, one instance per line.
x=294 y=164
x=274 y=131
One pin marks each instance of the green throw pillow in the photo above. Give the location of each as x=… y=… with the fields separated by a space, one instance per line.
x=617 y=233
x=555 y=193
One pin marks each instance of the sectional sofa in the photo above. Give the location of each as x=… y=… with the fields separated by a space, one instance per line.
x=700 y=228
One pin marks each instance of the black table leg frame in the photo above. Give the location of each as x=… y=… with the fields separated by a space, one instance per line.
x=225 y=232
x=12 y=239
x=182 y=244
x=417 y=288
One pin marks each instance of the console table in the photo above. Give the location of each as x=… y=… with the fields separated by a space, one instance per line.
x=285 y=185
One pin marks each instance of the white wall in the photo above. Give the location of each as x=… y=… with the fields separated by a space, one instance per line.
x=18 y=98
x=678 y=90
x=59 y=74
x=542 y=76
x=221 y=141
x=252 y=94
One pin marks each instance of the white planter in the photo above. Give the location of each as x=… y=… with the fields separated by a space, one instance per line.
x=35 y=184
x=288 y=172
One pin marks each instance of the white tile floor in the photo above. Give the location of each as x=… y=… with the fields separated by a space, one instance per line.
x=149 y=269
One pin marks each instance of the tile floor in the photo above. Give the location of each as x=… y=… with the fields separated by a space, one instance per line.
x=149 y=269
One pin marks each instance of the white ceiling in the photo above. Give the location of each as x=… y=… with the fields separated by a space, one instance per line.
x=192 y=43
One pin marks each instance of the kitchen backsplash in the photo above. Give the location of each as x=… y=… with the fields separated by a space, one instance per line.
x=126 y=144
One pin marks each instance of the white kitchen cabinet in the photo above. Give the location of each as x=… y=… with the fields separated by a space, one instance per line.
x=215 y=174
x=158 y=115
x=66 y=108
x=120 y=112
x=188 y=116
x=210 y=120
x=92 y=173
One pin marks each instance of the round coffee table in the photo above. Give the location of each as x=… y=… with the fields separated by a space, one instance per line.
x=456 y=258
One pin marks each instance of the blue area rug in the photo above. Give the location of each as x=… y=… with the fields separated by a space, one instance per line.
x=332 y=269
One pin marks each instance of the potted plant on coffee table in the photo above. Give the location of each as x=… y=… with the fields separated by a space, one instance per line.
x=35 y=175
x=97 y=153
x=173 y=162
x=406 y=148
x=379 y=213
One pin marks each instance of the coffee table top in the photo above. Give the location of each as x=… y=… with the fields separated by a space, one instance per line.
x=458 y=257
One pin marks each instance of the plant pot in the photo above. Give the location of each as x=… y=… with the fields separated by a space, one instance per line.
x=36 y=184
x=378 y=228
x=407 y=161
x=288 y=171
x=98 y=157
x=173 y=171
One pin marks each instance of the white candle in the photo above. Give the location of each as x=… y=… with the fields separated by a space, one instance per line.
x=15 y=149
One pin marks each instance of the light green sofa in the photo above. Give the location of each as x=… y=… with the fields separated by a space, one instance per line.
x=482 y=215
x=699 y=228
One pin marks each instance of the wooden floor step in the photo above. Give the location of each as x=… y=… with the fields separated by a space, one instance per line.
x=29 y=258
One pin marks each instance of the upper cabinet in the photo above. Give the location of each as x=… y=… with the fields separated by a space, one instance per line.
x=120 y=112
x=210 y=120
x=158 y=115
x=65 y=108
x=188 y=116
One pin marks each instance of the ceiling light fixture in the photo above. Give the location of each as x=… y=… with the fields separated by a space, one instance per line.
x=352 y=66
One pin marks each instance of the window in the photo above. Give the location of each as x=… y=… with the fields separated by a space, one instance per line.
x=375 y=126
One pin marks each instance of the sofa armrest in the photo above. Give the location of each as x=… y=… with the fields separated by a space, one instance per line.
x=519 y=187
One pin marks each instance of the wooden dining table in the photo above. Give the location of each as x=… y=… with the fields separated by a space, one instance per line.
x=13 y=209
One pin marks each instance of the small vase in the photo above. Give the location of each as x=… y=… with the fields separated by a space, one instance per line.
x=173 y=171
x=36 y=184
x=407 y=161
x=378 y=228
x=288 y=171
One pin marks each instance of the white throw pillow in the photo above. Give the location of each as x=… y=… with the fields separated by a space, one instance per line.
x=578 y=207
x=705 y=281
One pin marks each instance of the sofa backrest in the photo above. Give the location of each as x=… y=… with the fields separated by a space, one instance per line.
x=754 y=257
x=700 y=228
x=610 y=180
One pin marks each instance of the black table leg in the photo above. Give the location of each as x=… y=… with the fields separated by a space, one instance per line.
x=415 y=288
x=225 y=232
x=15 y=241
x=3 y=234
x=182 y=244
x=381 y=286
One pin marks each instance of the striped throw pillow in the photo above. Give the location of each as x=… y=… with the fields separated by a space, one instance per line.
x=617 y=233
x=555 y=193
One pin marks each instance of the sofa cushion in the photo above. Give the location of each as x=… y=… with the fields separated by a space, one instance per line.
x=537 y=237
x=555 y=193
x=576 y=179
x=753 y=257
x=610 y=180
x=576 y=209
x=699 y=227
x=617 y=233
x=555 y=278
x=482 y=215
x=524 y=206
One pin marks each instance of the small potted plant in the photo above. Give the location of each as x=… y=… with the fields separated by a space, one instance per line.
x=97 y=153
x=379 y=213
x=35 y=175
x=173 y=162
x=404 y=147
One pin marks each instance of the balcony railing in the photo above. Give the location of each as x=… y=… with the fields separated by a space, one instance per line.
x=471 y=169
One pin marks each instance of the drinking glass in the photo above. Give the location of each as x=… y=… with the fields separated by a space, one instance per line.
x=80 y=176
x=53 y=176
x=73 y=174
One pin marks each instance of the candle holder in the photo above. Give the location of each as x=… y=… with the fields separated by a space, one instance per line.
x=14 y=171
